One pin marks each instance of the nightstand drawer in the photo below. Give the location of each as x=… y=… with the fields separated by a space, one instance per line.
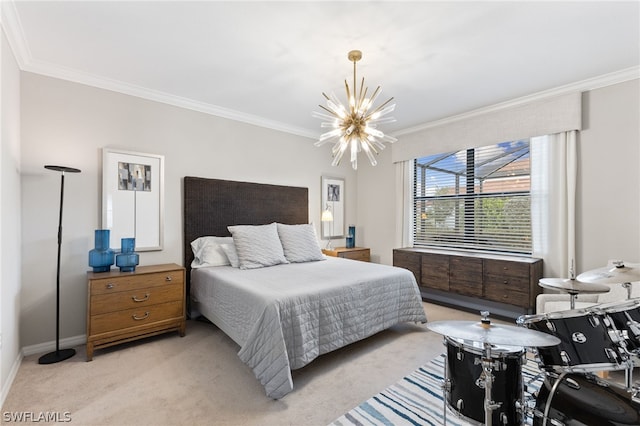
x=138 y=281
x=135 y=317
x=356 y=253
x=135 y=298
x=362 y=255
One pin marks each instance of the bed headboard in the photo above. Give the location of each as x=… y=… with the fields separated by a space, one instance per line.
x=210 y=205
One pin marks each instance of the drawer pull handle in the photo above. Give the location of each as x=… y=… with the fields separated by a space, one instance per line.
x=146 y=297
x=110 y=286
x=168 y=278
x=137 y=318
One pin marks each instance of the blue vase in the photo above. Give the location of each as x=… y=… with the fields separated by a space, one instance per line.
x=101 y=257
x=127 y=259
x=351 y=237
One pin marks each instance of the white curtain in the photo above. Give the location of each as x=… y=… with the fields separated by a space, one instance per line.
x=553 y=195
x=404 y=204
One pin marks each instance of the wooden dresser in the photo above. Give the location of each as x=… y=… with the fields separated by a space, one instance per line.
x=126 y=306
x=355 y=253
x=504 y=284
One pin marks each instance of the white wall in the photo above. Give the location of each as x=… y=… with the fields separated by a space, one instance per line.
x=68 y=124
x=10 y=239
x=608 y=199
x=608 y=207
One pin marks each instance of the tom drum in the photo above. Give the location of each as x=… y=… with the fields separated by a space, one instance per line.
x=464 y=389
x=586 y=344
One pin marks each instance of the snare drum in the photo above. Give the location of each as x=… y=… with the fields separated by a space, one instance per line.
x=626 y=319
x=584 y=399
x=585 y=342
x=464 y=390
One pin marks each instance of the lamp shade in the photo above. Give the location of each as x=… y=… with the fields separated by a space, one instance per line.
x=327 y=216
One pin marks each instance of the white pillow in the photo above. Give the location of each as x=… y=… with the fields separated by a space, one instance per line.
x=230 y=251
x=300 y=243
x=207 y=251
x=257 y=245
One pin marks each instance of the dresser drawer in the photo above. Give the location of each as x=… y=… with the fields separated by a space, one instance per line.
x=435 y=272
x=506 y=268
x=135 y=298
x=133 y=282
x=465 y=276
x=511 y=291
x=136 y=317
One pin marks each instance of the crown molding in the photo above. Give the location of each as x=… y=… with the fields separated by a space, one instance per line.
x=609 y=79
x=12 y=27
x=56 y=71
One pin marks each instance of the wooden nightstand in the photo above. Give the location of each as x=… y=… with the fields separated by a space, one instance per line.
x=356 y=253
x=126 y=306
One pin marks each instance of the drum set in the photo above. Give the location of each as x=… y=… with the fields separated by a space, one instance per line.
x=575 y=350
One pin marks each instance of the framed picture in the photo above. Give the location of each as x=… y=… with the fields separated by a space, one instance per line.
x=133 y=198
x=332 y=199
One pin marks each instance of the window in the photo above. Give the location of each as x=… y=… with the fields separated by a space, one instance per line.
x=475 y=199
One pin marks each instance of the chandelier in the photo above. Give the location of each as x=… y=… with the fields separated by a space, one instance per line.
x=355 y=127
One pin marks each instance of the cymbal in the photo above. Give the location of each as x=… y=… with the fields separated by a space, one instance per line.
x=618 y=273
x=495 y=334
x=572 y=285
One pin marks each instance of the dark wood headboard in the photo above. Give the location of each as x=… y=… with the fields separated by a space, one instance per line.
x=210 y=205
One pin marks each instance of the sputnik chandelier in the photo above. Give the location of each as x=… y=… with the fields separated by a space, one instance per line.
x=355 y=127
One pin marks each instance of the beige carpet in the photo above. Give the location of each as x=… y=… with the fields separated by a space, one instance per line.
x=199 y=380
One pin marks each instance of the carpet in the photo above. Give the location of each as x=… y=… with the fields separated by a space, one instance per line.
x=418 y=399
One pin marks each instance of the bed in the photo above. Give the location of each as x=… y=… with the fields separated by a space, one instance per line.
x=286 y=314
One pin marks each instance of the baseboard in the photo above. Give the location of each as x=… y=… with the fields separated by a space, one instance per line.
x=6 y=386
x=46 y=347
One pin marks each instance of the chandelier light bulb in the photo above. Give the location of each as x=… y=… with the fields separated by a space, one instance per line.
x=355 y=127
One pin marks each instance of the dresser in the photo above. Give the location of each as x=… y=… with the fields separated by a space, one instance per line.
x=126 y=306
x=355 y=253
x=504 y=284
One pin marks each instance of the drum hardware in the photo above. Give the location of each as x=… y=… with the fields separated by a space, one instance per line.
x=633 y=325
x=548 y=403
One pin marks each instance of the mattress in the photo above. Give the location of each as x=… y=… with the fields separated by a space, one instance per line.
x=285 y=316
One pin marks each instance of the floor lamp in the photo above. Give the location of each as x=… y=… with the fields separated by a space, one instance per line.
x=58 y=355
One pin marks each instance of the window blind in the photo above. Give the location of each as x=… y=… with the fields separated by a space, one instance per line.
x=475 y=199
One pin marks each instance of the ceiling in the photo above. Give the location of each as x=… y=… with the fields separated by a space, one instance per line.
x=267 y=63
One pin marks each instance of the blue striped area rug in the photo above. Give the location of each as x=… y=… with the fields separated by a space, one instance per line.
x=418 y=399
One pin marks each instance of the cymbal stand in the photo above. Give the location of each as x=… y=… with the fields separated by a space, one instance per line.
x=446 y=386
x=572 y=299
x=628 y=287
x=487 y=372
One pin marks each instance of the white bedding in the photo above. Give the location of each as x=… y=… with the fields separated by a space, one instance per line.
x=285 y=316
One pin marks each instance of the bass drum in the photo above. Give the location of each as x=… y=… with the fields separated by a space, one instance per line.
x=584 y=399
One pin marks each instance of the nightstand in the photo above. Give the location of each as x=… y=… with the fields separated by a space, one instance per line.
x=126 y=306
x=355 y=253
